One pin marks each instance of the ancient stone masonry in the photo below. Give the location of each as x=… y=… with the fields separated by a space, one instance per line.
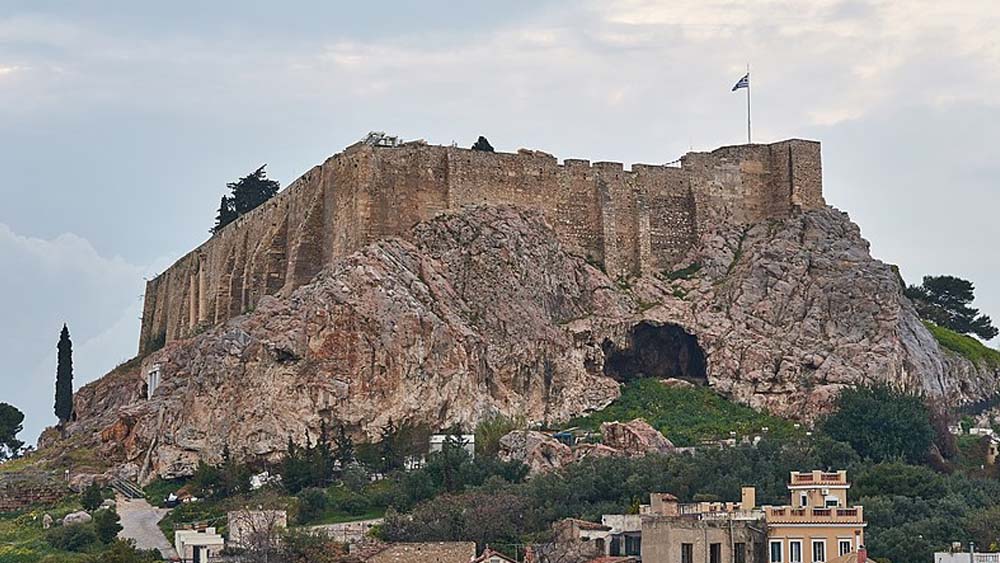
x=631 y=222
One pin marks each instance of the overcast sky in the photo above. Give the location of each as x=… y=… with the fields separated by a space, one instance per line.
x=122 y=121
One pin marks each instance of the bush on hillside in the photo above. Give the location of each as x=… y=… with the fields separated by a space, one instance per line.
x=882 y=424
x=78 y=537
x=91 y=498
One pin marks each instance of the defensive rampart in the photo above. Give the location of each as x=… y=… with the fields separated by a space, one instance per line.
x=630 y=221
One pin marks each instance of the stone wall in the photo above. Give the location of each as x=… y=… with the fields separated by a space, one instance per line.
x=26 y=488
x=632 y=222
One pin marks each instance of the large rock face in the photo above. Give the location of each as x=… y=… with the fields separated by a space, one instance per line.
x=483 y=311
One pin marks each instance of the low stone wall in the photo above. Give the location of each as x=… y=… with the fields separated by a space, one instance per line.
x=23 y=489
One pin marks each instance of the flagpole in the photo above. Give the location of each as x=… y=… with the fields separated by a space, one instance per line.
x=749 y=141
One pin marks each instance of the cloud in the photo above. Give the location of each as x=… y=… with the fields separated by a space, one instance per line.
x=47 y=283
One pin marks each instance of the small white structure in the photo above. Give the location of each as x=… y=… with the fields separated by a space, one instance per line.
x=467 y=441
x=981 y=431
x=197 y=546
x=152 y=380
x=953 y=557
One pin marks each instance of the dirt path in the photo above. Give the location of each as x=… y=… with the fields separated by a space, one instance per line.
x=139 y=520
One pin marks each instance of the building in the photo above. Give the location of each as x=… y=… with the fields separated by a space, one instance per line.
x=466 y=441
x=966 y=557
x=668 y=531
x=423 y=552
x=630 y=221
x=703 y=532
x=493 y=556
x=197 y=546
x=818 y=525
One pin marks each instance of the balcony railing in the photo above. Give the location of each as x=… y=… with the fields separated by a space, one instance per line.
x=790 y=515
x=819 y=478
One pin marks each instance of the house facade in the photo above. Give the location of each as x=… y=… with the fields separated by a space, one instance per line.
x=818 y=525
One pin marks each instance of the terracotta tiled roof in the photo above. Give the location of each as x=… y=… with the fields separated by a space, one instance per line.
x=491 y=553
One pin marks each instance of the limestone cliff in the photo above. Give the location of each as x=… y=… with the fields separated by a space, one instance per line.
x=483 y=310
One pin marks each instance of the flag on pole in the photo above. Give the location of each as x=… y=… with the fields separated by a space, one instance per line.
x=743 y=82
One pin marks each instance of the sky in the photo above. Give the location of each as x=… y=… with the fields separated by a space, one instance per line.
x=122 y=121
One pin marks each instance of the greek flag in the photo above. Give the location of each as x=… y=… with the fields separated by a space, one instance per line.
x=743 y=82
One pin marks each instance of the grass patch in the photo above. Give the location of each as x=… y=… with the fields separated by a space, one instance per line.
x=22 y=539
x=338 y=516
x=965 y=346
x=687 y=416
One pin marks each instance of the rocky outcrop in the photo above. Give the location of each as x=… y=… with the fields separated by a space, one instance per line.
x=483 y=311
x=539 y=451
x=635 y=438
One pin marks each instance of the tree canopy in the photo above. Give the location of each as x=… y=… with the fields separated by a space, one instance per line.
x=64 y=377
x=246 y=194
x=946 y=301
x=10 y=425
x=882 y=424
x=482 y=144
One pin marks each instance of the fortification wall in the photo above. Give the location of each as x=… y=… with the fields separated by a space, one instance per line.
x=630 y=222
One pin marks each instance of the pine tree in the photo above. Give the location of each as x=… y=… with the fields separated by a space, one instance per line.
x=482 y=144
x=64 y=377
x=247 y=193
x=343 y=450
x=946 y=301
x=252 y=190
x=227 y=214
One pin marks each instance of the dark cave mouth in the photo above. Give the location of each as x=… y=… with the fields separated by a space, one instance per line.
x=656 y=350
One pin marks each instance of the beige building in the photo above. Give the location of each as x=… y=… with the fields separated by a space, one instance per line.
x=818 y=526
x=703 y=532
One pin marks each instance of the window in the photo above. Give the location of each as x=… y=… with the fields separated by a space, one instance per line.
x=795 y=551
x=819 y=551
x=687 y=553
x=844 y=547
x=803 y=499
x=739 y=552
x=715 y=553
x=776 y=551
x=633 y=544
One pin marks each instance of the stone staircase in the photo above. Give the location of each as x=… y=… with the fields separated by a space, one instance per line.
x=127 y=489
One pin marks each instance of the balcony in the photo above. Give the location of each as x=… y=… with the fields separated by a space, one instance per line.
x=810 y=515
x=818 y=478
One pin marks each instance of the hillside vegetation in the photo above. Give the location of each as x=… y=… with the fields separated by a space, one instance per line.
x=686 y=415
x=965 y=346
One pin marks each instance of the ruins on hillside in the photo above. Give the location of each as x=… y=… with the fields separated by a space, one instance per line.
x=630 y=222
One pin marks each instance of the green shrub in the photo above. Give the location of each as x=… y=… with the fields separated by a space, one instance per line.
x=312 y=504
x=78 y=537
x=106 y=524
x=91 y=498
x=882 y=424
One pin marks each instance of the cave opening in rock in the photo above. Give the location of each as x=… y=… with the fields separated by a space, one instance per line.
x=655 y=350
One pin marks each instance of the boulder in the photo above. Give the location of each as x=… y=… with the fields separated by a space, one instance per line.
x=635 y=438
x=46 y=521
x=539 y=451
x=79 y=517
x=594 y=451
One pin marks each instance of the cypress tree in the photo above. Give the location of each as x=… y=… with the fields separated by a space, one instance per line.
x=227 y=214
x=64 y=377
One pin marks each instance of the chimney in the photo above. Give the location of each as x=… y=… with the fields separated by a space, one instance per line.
x=748 y=498
x=862 y=554
x=664 y=504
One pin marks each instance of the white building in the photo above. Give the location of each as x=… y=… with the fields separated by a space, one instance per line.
x=197 y=546
x=468 y=442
